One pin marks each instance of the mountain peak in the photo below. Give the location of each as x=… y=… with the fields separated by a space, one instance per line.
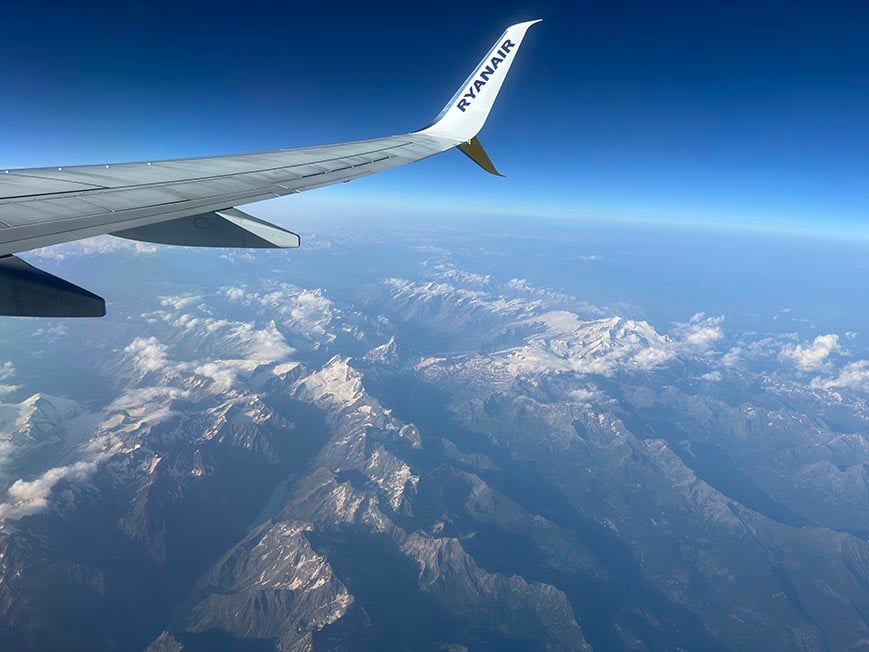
x=335 y=384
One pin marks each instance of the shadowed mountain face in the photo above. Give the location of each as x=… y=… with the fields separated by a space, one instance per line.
x=439 y=455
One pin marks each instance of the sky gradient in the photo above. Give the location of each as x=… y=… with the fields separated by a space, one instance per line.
x=715 y=113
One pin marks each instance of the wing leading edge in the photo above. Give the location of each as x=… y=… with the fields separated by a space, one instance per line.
x=192 y=201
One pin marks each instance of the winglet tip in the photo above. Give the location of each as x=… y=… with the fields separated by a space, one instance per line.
x=526 y=24
x=464 y=115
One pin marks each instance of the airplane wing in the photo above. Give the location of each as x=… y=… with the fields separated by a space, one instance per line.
x=193 y=202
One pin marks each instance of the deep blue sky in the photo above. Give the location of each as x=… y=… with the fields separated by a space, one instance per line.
x=709 y=112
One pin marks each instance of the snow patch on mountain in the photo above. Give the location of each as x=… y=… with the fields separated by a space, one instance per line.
x=38 y=422
x=270 y=585
x=602 y=347
x=456 y=582
x=336 y=384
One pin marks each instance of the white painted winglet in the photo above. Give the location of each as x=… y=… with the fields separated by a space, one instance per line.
x=466 y=112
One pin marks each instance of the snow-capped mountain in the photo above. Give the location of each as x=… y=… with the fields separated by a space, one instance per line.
x=443 y=461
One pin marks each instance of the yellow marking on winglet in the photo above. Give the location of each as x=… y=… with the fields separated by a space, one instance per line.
x=473 y=149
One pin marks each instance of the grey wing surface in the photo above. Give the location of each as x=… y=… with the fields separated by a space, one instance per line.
x=45 y=206
x=194 y=201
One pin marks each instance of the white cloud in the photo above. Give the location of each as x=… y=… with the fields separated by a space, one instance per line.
x=852 y=376
x=302 y=313
x=50 y=333
x=148 y=353
x=133 y=409
x=700 y=333
x=138 y=397
x=102 y=244
x=811 y=356
x=5 y=390
x=313 y=310
x=29 y=497
x=263 y=345
x=7 y=372
x=234 y=294
x=248 y=344
x=747 y=351
x=223 y=373
x=591 y=397
x=234 y=257
x=732 y=357
x=651 y=357
x=180 y=302
x=148 y=405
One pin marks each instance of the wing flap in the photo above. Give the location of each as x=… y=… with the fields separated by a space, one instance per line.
x=26 y=291
x=225 y=228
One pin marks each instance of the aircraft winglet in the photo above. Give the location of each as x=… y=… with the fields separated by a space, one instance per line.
x=466 y=112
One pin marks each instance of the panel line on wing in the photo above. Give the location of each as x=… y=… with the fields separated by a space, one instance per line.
x=44 y=178
x=98 y=190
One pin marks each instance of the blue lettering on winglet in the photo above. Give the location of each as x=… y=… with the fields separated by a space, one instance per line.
x=484 y=74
